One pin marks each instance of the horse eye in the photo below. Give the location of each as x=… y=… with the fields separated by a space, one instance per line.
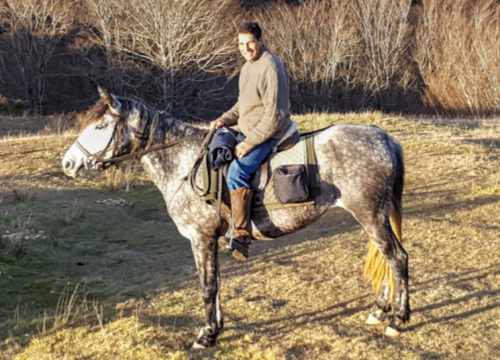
x=101 y=126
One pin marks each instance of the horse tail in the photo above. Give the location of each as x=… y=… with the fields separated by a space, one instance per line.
x=377 y=269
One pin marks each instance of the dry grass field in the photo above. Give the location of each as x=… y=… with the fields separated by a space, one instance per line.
x=94 y=269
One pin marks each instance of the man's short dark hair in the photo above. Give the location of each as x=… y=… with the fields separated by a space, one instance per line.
x=251 y=27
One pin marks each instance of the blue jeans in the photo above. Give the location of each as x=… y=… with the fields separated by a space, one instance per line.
x=241 y=171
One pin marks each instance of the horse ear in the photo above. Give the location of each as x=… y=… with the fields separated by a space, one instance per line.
x=108 y=98
x=104 y=94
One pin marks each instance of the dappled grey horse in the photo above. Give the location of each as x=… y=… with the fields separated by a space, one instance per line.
x=360 y=169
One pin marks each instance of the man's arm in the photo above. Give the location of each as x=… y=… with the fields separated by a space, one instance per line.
x=231 y=116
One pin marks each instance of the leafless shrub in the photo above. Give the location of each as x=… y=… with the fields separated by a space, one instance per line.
x=459 y=55
x=384 y=47
x=180 y=43
x=68 y=214
x=21 y=230
x=33 y=30
x=315 y=42
x=9 y=194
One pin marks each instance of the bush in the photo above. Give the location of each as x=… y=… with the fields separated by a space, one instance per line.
x=315 y=42
x=383 y=65
x=459 y=55
x=401 y=55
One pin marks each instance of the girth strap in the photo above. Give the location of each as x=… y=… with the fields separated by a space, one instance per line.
x=312 y=166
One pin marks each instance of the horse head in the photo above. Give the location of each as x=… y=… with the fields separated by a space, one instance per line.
x=107 y=136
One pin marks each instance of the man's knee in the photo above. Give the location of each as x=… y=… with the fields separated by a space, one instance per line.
x=234 y=172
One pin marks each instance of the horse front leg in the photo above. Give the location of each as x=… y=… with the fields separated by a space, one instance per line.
x=207 y=263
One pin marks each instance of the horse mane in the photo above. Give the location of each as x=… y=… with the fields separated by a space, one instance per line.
x=92 y=115
x=136 y=107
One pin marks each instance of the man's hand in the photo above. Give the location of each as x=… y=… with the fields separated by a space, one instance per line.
x=242 y=149
x=217 y=123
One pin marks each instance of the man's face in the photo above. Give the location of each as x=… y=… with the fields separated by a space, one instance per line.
x=250 y=48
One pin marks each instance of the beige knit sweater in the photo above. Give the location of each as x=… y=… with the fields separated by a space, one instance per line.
x=262 y=111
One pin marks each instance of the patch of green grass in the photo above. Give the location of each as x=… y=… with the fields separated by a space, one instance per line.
x=79 y=246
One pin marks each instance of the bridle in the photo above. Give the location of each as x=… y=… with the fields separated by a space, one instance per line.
x=145 y=137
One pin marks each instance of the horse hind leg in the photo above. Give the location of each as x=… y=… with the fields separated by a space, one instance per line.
x=382 y=307
x=387 y=268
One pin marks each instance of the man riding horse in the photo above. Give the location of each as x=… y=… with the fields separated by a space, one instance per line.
x=262 y=114
x=360 y=169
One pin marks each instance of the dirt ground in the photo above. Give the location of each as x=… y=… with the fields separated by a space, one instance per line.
x=94 y=269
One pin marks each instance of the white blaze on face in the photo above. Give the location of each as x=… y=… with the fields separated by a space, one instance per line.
x=93 y=140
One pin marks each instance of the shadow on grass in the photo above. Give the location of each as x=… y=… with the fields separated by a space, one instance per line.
x=280 y=326
x=129 y=251
x=440 y=207
x=116 y=251
x=277 y=327
x=172 y=322
x=489 y=143
x=460 y=315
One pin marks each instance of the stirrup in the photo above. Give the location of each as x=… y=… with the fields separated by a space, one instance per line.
x=239 y=249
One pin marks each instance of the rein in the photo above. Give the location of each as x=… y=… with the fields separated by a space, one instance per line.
x=136 y=155
x=198 y=161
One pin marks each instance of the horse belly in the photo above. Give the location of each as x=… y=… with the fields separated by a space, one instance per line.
x=269 y=223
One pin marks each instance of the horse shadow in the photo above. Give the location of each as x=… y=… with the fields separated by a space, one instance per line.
x=275 y=328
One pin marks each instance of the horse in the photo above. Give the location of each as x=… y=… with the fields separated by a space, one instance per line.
x=360 y=169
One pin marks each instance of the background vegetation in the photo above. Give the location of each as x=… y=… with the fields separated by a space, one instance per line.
x=396 y=55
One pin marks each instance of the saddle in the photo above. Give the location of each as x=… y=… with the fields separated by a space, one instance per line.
x=287 y=178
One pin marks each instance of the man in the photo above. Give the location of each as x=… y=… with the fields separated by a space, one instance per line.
x=262 y=114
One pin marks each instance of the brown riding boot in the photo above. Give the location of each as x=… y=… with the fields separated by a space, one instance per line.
x=241 y=202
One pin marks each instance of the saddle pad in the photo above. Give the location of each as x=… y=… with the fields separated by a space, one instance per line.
x=262 y=181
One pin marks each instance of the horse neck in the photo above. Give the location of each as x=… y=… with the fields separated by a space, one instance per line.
x=167 y=168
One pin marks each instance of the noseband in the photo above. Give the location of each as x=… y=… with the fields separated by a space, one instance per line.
x=97 y=159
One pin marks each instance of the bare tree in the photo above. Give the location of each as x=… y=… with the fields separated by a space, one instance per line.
x=34 y=29
x=182 y=41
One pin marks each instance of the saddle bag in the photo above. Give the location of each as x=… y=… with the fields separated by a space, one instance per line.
x=290 y=183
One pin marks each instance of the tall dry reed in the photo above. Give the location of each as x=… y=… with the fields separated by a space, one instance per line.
x=458 y=53
x=315 y=41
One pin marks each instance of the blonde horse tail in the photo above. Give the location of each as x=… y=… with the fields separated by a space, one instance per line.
x=377 y=269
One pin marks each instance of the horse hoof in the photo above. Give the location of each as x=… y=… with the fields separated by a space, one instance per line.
x=373 y=320
x=391 y=331
x=376 y=317
x=224 y=243
x=197 y=346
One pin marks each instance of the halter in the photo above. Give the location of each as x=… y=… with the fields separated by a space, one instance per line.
x=144 y=136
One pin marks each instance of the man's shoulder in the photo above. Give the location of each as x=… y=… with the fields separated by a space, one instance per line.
x=271 y=60
x=270 y=57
